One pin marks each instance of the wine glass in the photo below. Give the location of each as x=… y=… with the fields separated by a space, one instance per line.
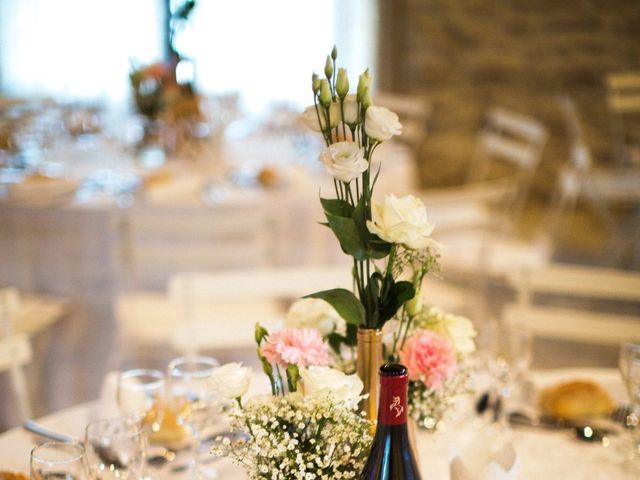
x=140 y=395
x=56 y=460
x=114 y=449
x=192 y=401
x=629 y=364
x=511 y=353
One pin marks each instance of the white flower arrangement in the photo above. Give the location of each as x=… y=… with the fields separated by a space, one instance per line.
x=310 y=427
x=298 y=437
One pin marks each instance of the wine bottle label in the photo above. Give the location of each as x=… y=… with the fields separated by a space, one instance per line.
x=393 y=401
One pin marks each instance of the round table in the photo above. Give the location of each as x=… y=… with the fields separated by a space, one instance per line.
x=540 y=453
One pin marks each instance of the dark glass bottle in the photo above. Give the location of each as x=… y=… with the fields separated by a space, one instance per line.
x=391 y=456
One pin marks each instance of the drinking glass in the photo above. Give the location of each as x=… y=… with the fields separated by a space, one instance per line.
x=56 y=460
x=114 y=449
x=192 y=401
x=140 y=395
x=629 y=364
x=511 y=353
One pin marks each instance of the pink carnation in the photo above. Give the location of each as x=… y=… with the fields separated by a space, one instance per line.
x=297 y=346
x=429 y=357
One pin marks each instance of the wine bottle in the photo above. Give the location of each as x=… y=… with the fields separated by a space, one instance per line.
x=391 y=456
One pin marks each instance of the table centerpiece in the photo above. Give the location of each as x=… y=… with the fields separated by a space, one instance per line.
x=390 y=244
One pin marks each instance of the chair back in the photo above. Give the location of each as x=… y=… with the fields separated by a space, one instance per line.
x=218 y=310
x=513 y=139
x=159 y=242
x=15 y=351
x=559 y=302
x=623 y=92
x=623 y=101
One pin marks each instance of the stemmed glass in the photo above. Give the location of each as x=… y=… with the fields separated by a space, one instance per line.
x=56 y=460
x=114 y=449
x=511 y=354
x=192 y=401
x=629 y=363
x=140 y=395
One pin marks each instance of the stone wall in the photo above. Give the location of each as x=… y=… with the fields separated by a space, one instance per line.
x=465 y=55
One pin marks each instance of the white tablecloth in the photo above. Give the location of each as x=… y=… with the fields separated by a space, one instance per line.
x=542 y=454
x=71 y=247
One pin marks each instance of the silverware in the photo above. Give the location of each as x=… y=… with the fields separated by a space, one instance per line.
x=37 y=429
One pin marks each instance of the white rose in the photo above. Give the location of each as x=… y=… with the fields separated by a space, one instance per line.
x=326 y=381
x=401 y=220
x=350 y=110
x=310 y=117
x=231 y=380
x=381 y=123
x=344 y=160
x=458 y=329
x=315 y=313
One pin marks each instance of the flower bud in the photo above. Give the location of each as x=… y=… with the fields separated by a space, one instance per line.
x=315 y=83
x=325 y=92
x=328 y=67
x=366 y=99
x=414 y=306
x=342 y=83
x=364 y=82
x=260 y=333
x=334 y=53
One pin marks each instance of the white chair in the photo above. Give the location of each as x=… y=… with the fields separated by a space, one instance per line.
x=513 y=139
x=576 y=303
x=623 y=100
x=475 y=222
x=217 y=310
x=158 y=242
x=602 y=189
x=15 y=351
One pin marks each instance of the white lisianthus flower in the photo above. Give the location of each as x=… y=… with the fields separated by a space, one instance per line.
x=326 y=381
x=344 y=160
x=401 y=220
x=315 y=313
x=458 y=329
x=231 y=380
x=381 y=123
x=350 y=110
x=310 y=118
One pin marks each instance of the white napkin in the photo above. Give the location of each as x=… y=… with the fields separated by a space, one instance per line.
x=490 y=455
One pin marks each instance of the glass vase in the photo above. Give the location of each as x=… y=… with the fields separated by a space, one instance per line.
x=368 y=363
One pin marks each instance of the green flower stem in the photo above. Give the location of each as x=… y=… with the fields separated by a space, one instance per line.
x=344 y=129
x=406 y=331
x=239 y=400
x=315 y=104
x=336 y=185
x=350 y=194
x=392 y=258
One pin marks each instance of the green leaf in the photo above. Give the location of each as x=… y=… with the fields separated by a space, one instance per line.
x=345 y=303
x=392 y=298
x=375 y=246
x=335 y=340
x=348 y=235
x=336 y=207
x=352 y=335
x=293 y=375
x=404 y=291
